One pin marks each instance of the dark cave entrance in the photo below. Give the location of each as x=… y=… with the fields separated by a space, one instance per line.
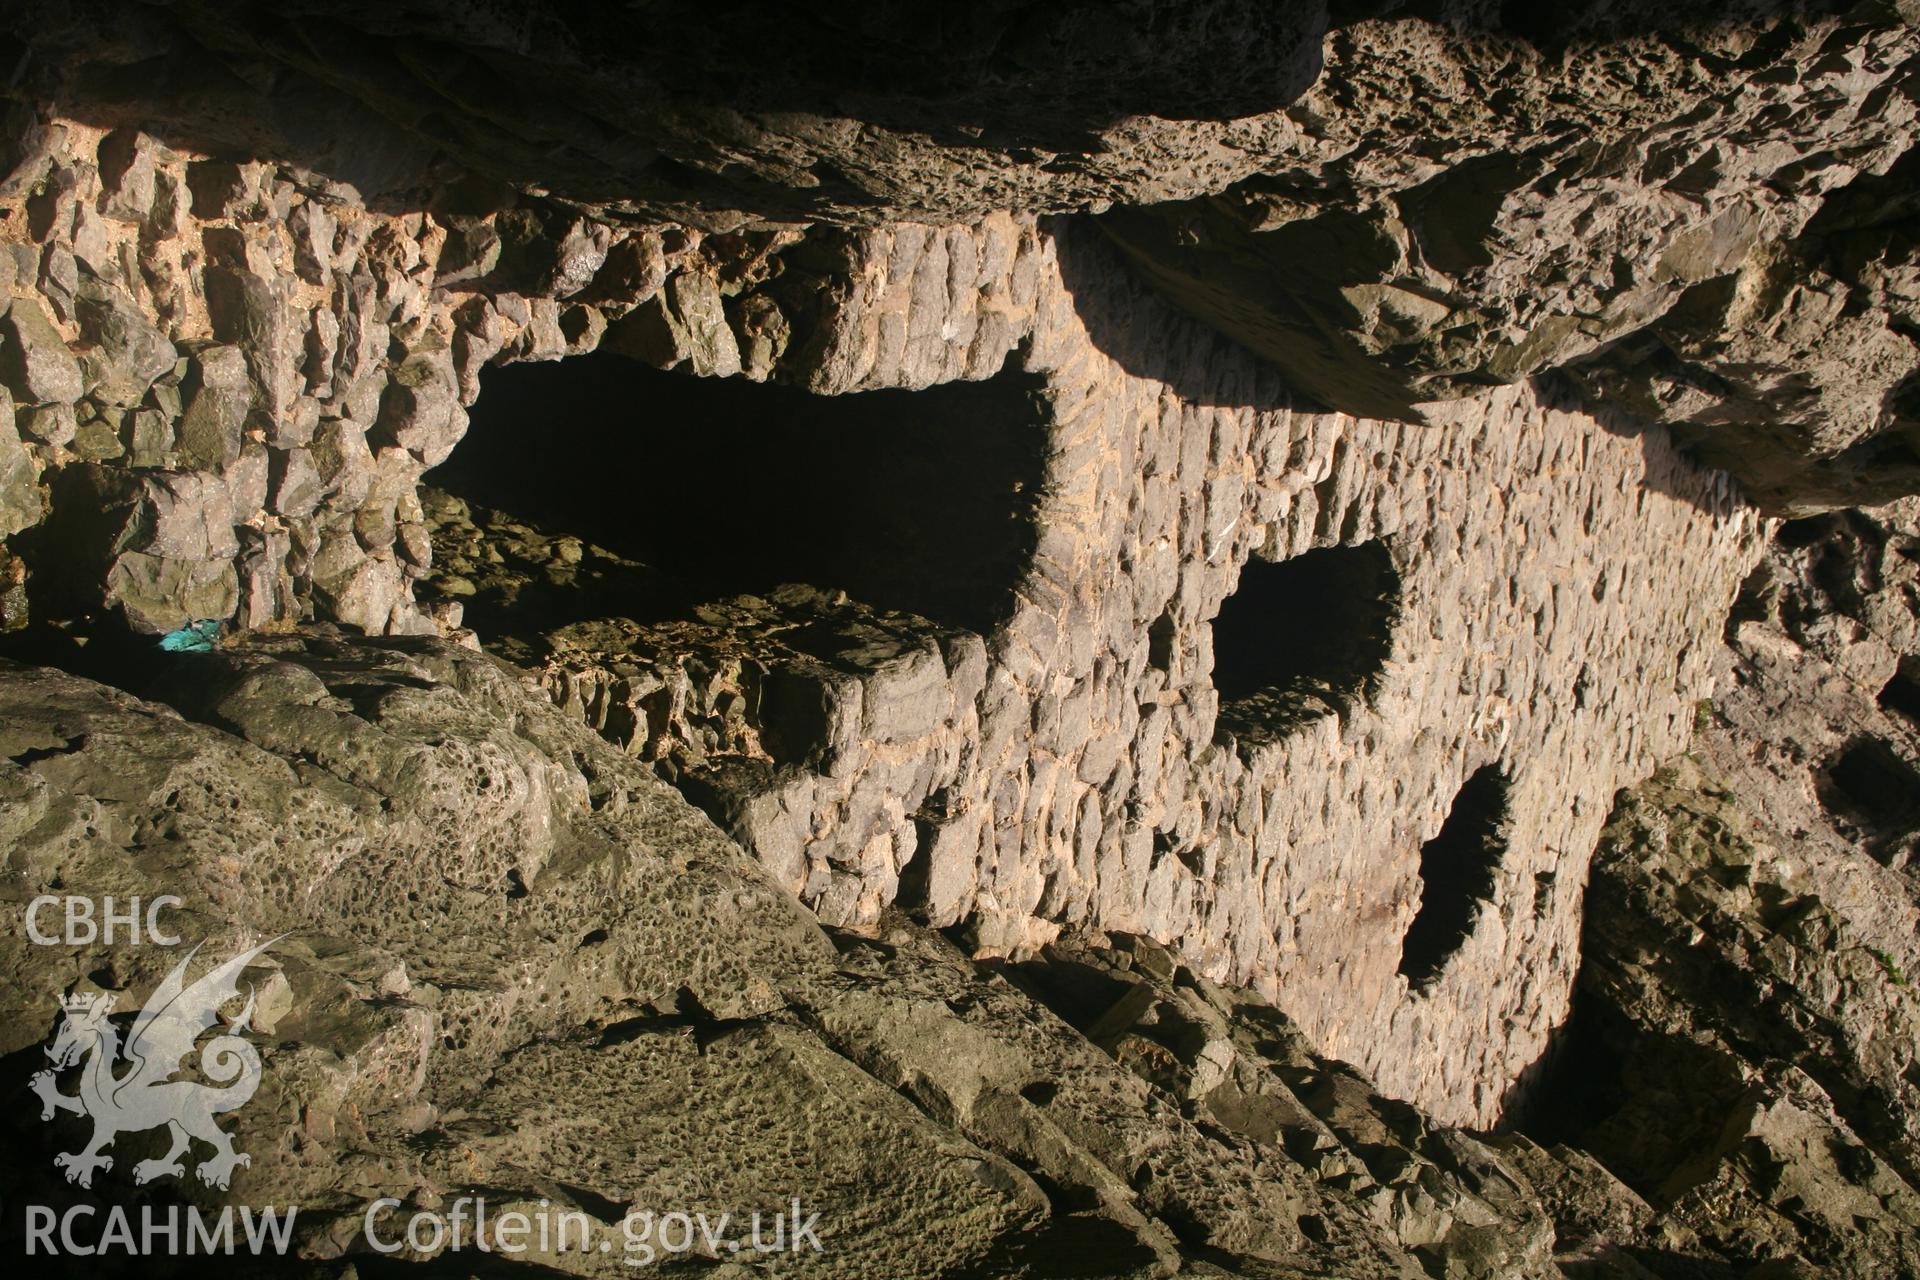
x=1457 y=870
x=919 y=501
x=1900 y=696
x=1874 y=795
x=1303 y=638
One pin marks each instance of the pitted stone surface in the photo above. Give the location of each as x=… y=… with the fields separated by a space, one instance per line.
x=518 y=965
x=1702 y=220
x=236 y=332
x=1698 y=213
x=1029 y=778
x=1561 y=630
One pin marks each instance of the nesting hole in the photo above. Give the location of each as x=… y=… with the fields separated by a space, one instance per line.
x=1457 y=870
x=1303 y=638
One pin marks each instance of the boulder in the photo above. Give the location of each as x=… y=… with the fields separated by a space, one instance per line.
x=219 y=394
x=123 y=352
x=420 y=410
x=35 y=363
x=20 y=501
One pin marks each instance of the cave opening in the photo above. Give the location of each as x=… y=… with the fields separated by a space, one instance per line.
x=1457 y=869
x=1303 y=638
x=918 y=501
x=1900 y=696
x=1873 y=793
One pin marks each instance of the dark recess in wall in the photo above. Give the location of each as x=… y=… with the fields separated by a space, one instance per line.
x=1641 y=1102
x=1456 y=876
x=920 y=501
x=1872 y=792
x=1303 y=638
x=1900 y=696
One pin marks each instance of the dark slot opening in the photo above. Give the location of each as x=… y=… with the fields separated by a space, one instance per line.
x=1457 y=871
x=1901 y=696
x=1870 y=789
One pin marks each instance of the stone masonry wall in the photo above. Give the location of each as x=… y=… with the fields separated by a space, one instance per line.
x=1561 y=592
x=229 y=377
x=187 y=336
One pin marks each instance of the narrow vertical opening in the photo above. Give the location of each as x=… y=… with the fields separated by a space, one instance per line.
x=1901 y=695
x=1457 y=870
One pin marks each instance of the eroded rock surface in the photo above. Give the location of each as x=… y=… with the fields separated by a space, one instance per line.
x=1073 y=766
x=866 y=113
x=1055 y=756
x=1743 y=1046
x=1698 y=215
x=1702 y=229
x=515 y=962
x=1416 y=323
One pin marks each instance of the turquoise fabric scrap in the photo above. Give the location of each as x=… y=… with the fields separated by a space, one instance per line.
x=195 y=637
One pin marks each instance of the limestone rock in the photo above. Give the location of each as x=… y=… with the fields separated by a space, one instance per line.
x=157 y=594
x=1118 y=696
x=35 y=363
x=254 y=312
x=50 y=424
x=127 y=351
x=20 y=502
x=148 y=437
x=684 y=324
x=1743 y=1051
x=297 y=484
x=1678 y=278
x=158 y=548
x=1692 y=218
x=1145 y=102
x=1771 y=1140
x=430 y=839
x=127 y=189
x=223 y=188
x=1065 y=768
x=344 y=462
x=219 y=395
x=421 y=409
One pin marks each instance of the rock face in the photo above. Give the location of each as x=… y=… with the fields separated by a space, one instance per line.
x=1031 y=556
x=1067 y=761
x=1751 y=1028
x=870 y=113
x=1066 y=768
x=1696 y=217
x=1699 y=230
x=1743 y=1047
x=430 y=836
x=311 y=359
x=588 y=999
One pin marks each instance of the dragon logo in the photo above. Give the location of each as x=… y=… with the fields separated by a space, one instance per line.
x=143 y=1096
